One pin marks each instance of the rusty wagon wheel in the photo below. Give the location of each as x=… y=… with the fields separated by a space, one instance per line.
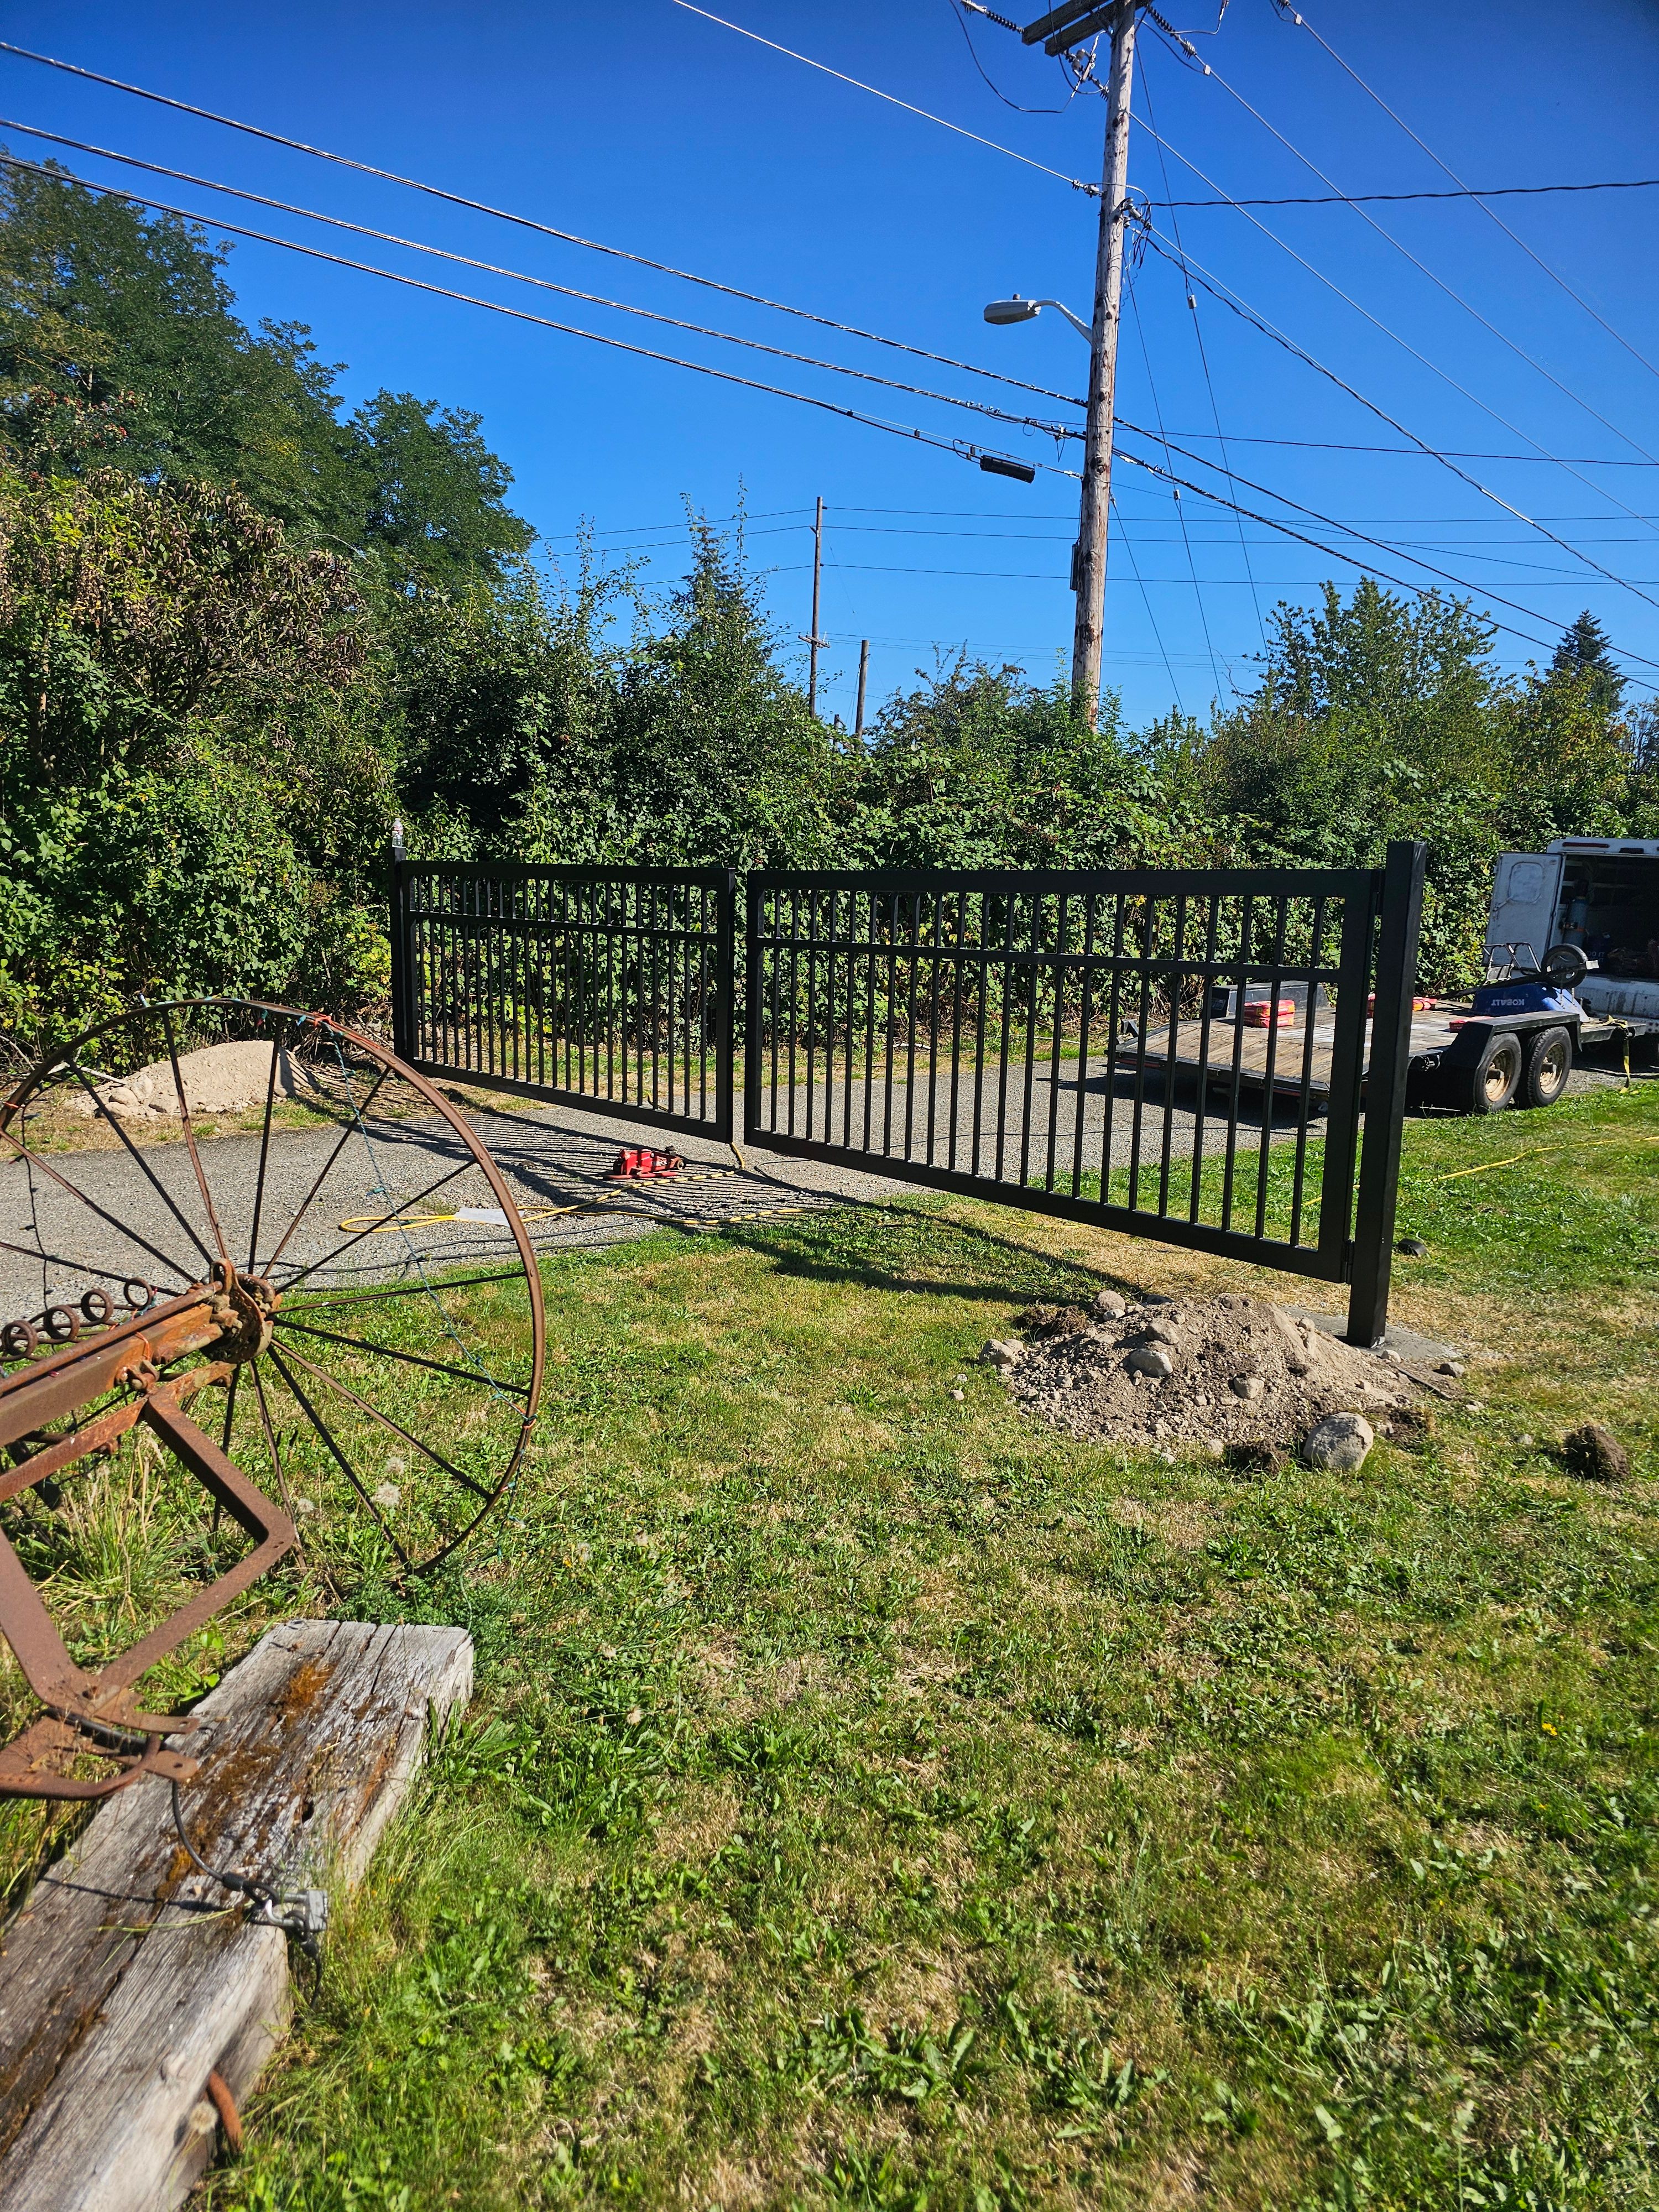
x=282 y=1231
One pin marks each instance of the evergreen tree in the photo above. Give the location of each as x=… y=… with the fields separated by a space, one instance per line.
x=1586 y=650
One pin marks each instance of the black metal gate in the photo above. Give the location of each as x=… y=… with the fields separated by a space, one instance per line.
x=607 y=988
x=1149 y=1050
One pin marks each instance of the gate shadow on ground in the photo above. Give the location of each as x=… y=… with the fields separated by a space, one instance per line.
x=879 y=1247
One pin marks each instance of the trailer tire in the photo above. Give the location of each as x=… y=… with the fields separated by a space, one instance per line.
x=1494 y=1081
x=1549 y=1064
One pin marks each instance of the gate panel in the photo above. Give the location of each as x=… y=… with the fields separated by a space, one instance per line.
x=1077 y=1044
x=607 y=988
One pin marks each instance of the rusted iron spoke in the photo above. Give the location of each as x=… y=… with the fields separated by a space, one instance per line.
x=386 y=1422
x=472 y=1374
x=338 y=1456
x=149 y=1174
x=330 y=1303
x=26 y=1152
x=339 y=1146
x=420 y=1198
x=190 y=1137
x=264 y=1149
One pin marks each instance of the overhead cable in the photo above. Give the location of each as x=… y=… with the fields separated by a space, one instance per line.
x=1209 y=381
x=1195 y=271
x=527 y=222
x=1464 y=192
x=1406 y=346
x=1452 y=293
x=1335 y=553
x=542 y=283
x=1077 y=184
x=1553 y=274
x=961 y=447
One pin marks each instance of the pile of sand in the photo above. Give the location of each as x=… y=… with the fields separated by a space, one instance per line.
x=1228 y=1371
x=218 y=1078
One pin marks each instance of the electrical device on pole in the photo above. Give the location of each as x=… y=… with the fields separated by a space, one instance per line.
x=1060 y=29
x=812 y=641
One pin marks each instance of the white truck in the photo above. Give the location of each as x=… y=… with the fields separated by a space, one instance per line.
x=1572 y=953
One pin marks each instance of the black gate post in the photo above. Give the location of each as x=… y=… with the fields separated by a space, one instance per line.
x=403 y=1042
x=1401 y=923
x=726 y=968
x=753 y=992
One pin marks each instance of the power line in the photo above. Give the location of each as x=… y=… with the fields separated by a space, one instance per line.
x=1204 y=361
x=960 y=447
x=1405 y=344
x=1230 y=299
x=1464 y=192
x=1413 y=453
x=1145 y=600
x=1467 y=307
x=1554 y=274
x=542 y=283
x=1191 y=565
x=892 y=99
x=526 y=222
x=1334 y=553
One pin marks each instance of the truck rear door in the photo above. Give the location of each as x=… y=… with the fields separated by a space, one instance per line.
x=1525 y=896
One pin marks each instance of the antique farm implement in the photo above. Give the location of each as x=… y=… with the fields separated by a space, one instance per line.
x=187 y=1307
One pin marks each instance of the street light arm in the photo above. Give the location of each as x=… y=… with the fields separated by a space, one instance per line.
x=1076 y=321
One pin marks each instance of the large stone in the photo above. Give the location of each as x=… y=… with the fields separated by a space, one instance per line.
x=1003 y=1351
x=1108 y=1306
x=1339 y=1443
x=1247 y=1386
x=1151 y=1359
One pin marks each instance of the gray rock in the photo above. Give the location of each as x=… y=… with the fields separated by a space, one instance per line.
x=1003 y=1351
x=1163 y=1331
x=1151 y=1359
x=1108 y=1306
x=1247 y=1386
x=1339 y=1443
x=1451 y=1367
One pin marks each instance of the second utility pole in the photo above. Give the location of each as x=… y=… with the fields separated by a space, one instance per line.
x=814 y=641
x=1089 y=562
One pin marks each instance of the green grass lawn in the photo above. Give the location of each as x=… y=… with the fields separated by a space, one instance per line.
x=872 y=1799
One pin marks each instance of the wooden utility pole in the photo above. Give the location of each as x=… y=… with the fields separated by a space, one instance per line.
x=812 y=641
x=1089 y=564
x=864 y=676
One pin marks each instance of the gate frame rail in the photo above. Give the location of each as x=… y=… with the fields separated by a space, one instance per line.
x=1357 y=1212
x=720 y=884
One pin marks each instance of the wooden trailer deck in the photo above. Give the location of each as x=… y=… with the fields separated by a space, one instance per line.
x=1432 y=1031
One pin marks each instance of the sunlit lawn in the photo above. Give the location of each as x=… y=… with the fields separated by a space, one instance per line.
x=878 y=1801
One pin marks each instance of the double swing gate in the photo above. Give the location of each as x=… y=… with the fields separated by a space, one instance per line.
x=1213 y=1058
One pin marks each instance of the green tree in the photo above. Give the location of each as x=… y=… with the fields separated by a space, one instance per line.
x=120 y=346
x=1586 y=651
x=433 y=495
x=192 y=768
x=977 y=767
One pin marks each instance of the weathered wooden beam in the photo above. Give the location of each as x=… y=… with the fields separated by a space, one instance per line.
x=124 y=1981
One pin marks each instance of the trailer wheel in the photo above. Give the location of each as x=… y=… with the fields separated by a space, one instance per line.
x=1493 y=1083
x=1549 y=1063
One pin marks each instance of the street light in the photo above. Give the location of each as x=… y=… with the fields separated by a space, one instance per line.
x=1025 y=311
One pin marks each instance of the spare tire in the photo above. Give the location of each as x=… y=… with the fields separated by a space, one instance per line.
x=1566 y=966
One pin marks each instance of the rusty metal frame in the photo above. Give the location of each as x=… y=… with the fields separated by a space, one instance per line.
x=228 y=1316
x=94 y=1715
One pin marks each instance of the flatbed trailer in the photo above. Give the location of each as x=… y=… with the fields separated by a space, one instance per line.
x=1458 y=1059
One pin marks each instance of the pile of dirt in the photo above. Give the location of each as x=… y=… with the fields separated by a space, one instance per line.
x=1224 y=1371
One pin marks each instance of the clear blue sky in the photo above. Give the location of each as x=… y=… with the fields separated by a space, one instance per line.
x=652 y=129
